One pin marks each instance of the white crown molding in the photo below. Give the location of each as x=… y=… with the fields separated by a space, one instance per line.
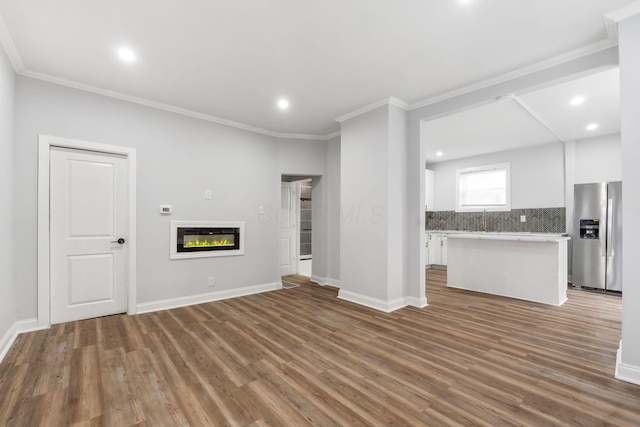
x=308 y=136
x=611 y=19
x=170 y=108
x=6 y=41
x=332 y=135
x=398 y=103
x=10 y=47
x=610 y=22
x=611 y=27
x=386 y=101
x=538 y=66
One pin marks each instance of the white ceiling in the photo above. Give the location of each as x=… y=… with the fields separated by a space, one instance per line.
x=233 y=59
x=506 y=125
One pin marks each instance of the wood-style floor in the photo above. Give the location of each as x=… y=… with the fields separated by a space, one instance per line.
x=300 y=357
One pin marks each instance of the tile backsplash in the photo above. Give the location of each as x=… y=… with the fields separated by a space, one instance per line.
x=544 y=220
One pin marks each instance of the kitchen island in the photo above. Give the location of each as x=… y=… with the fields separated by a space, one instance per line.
x=526 y=266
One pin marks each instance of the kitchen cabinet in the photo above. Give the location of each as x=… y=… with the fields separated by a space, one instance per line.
x=437 y=248
x=426 y=252
x=429 y=190
x=443 y=250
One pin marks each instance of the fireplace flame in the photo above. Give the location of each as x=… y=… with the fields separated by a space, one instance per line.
x=207 y=243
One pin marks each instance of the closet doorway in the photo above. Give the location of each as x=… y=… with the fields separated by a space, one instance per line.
x=296 y=218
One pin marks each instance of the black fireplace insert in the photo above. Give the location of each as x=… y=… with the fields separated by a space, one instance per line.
x=205 y=239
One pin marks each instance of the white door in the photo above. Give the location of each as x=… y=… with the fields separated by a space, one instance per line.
x=287 y=221
x=88 y=215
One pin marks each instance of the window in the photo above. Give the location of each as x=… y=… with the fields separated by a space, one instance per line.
x=483 y=188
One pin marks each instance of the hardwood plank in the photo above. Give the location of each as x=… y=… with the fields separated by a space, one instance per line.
x=301 y=356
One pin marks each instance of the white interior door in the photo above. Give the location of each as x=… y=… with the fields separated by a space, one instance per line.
x=88 y=215
x=288 y=230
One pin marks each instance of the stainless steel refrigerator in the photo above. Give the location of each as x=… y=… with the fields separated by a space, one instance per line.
x=597 y=236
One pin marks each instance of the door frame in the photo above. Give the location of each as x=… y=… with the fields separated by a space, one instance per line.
x=45 y=142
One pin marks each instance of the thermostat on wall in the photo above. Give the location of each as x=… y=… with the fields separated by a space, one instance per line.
x=165 y=209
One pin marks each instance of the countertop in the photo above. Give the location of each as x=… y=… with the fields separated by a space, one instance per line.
x=496 y=235
x=524 y=237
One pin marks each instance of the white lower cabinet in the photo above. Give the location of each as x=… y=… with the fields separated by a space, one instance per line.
x=437 y=249
x=426 y=252
x=443 y=250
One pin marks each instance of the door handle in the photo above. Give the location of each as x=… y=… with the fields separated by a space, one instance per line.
x=609 y=238
x=120 y=241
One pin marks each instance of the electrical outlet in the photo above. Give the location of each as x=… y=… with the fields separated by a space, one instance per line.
x=207 y=194
x=212 y=281
x=523 y=218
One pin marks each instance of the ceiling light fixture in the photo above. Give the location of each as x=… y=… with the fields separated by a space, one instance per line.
x=126 y=54
x=577 y=100
x=592 y=126
x=283 y=104
x=465 y=1
x=439 y=154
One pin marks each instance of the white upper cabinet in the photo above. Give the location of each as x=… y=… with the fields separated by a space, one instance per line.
x=429 y=189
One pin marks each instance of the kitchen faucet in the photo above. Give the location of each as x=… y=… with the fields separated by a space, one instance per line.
x=484 y=221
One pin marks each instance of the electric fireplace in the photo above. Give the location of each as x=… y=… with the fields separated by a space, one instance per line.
x=197 y=239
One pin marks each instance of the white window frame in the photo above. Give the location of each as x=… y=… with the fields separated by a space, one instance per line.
x=480 y=208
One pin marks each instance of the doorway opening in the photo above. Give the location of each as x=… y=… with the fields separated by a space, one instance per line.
x=296 y=225
x=545 y=122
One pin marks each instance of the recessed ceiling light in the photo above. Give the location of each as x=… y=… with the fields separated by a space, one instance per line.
x=577 y=100
x=592 y=126
x=439 y=154
x=283 y=104
x=126 y=54
x=465 y=1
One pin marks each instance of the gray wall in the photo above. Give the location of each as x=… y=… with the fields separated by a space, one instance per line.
x=333 y=211
x=397 y=204
x=178 y=159
x=363 y=195
x=7 y=299
x=537 y=176
x=598 y=159
x=629 y=30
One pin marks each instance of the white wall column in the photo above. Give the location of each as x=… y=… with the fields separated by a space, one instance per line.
x=569 y=182
x=628 y=364
x=373 y=198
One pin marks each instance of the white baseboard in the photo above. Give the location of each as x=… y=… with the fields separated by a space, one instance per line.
x=375 y=303
x=420 y=302
x=333 y=282
x=324 y=281
x=166 y=304
x=381 y=305
x=19 y=327
x=624 y=372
